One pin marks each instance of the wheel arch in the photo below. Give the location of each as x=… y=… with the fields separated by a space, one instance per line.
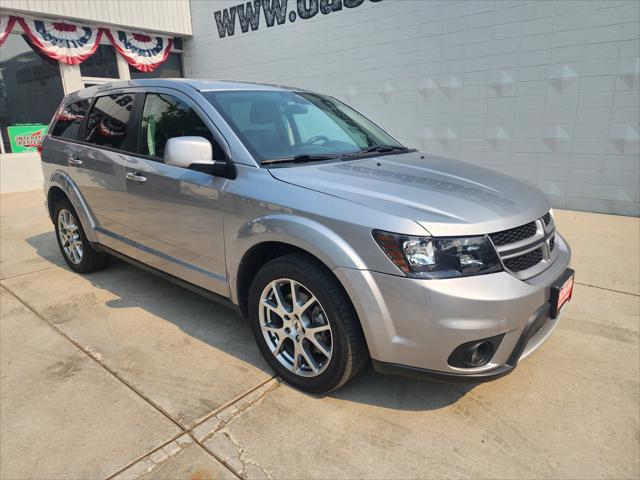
x=54 y=195
x=266 y=238
x=61 y=185
x=255 y=258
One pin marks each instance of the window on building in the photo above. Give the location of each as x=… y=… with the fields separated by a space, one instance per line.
x=165 y=117
x=69 y=119
x=30 y=92
x=102 y=64
x=170 y=68
x=107 y=123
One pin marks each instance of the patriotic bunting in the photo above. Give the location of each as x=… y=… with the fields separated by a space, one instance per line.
x=63 y=41
x=142 y=51
x=73 y=43
x=6 y=24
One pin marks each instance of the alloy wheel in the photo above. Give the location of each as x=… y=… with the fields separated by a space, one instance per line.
x=295 y=327
x=69 y=234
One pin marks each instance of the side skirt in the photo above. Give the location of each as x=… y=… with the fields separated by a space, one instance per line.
x=224 y=301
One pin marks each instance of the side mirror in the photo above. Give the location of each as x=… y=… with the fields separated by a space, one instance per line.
x=194 y=153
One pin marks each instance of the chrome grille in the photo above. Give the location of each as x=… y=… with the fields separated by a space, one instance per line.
x=514 y=235
x=528 y=249
x=523 y=262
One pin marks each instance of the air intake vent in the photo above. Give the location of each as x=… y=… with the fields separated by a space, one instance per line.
x=538 y=237
x=528 y=260
x=514 y=234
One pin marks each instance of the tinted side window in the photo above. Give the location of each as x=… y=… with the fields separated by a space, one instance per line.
x=69 y=119
x=107 y=123
x=164 y=117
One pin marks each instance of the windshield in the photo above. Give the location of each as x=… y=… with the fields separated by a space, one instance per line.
x=275 y=124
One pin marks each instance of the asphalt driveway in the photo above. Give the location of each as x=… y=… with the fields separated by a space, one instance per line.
x=122 y=374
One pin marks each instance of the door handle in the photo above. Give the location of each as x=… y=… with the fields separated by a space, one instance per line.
x=135 y=177
x=73 y=160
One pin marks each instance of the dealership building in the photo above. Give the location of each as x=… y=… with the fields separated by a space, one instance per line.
x=544 y=91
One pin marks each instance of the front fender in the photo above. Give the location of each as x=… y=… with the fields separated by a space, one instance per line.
x=64 y=182
x=304 y=233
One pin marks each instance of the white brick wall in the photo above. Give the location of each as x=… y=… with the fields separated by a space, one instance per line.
x=545 y=91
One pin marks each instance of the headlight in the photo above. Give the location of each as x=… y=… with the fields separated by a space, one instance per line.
x=439 y=257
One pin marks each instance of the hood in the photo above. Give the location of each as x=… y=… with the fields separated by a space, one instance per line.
x=445 y=196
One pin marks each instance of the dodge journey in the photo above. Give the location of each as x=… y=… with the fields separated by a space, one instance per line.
x=337 y=242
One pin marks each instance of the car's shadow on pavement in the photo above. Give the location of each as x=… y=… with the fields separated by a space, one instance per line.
x=400 y=393
x=221 y=327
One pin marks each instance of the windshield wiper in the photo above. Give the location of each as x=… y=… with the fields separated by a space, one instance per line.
x=377 y=149
x=314 y=157
x=307 y=157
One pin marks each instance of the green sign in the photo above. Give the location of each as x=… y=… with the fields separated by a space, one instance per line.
x=26 y=137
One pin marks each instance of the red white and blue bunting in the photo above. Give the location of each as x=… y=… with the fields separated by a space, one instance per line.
x=73 y=43
x=67 y=42
x=144 y=52
x=6 y=24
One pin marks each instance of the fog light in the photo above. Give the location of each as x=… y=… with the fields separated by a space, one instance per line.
x=480 y=354
x=476 y=353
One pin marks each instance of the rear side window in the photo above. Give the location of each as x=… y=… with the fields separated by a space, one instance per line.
x=164 y=117
x=108 y=120
x=69 y=119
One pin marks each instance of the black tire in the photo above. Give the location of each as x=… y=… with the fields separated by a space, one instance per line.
x=349 y=352
x=91 y=260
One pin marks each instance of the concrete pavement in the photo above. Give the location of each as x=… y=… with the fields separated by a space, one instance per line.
x=121 y=374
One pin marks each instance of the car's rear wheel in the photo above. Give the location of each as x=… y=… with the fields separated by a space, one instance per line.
x=305 y=325
x=76 y=249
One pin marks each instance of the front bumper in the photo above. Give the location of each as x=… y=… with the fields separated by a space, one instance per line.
x=413 y=325
x=535 y=324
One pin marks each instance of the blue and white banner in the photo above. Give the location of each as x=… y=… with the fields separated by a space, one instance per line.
x=64 y=41
x=73 y=43
x=142 y=51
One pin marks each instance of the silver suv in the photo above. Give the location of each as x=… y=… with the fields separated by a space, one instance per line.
x=336 y=241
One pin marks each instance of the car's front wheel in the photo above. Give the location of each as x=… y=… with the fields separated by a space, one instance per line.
x=305 y=324
x=76 y=249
